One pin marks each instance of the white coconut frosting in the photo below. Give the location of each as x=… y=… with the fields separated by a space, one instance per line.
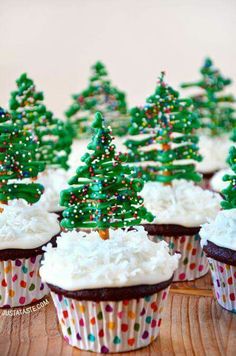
x=181 y=203
x=26 y=226
x=214 y=151
x=221 y=230
x=85 y=261
x=54 y=181
x=217 y=183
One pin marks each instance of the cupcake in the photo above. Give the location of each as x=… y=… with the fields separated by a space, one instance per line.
x=24 y=230
x=180 y=211
x=109 y=294
x=100 y=95
x=216 y=111
x=163 y=151
x=214 y=160
x=217 y=184
x=109 y=286
x=54 y=180
x=24 y=226
x=52 y=134
x=218 y=238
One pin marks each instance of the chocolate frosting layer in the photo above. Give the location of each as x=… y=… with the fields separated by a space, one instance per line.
x=15 y=253
x=208 y=175
x=221 y=254
x=170 y=229
x=112 y=294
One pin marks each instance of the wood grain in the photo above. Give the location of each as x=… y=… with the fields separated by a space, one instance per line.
x=193 y=324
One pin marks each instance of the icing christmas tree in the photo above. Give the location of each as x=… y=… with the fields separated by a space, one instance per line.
x=164 y=144
x=101 y=96
x=229 y=193
x=53 y=135
x=216 y=112
x=17 y=163
x=103 y=194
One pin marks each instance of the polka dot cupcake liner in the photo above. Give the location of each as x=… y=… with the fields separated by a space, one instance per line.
x=193 y=263
x=106 y=327
x=224 y=281
x=20 y=283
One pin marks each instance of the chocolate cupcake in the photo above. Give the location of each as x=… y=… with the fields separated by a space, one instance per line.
x=217 y=184
x=180 y=210
x=214 y=150
x=218 y=238
x=53 y=180
x=109 y=294
x=24 y=230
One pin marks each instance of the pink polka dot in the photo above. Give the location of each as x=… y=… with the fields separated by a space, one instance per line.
x=14 y=278
x=81 y=322
x=153 y=323
x=164 y=295
x=200 y=268
x=22 y=300
x=182 y=240
x=182 y=276
x=221 y=269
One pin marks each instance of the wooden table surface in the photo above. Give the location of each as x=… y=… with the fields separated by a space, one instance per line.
x=193 y=324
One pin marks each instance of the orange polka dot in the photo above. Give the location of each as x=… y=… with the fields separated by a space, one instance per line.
x=224 y=298
x=111 y=325
x=8 y=268
x=81 y=308
x=131 y=314
x=73 y=321
x=189 y=247
x=11 y=293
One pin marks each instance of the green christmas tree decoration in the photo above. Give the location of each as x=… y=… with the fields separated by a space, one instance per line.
x=30 y=113
x=229 y=193
x=164 y=144
x=18 y=163
x=100 y=96
x=214 y=108
x=103 y=194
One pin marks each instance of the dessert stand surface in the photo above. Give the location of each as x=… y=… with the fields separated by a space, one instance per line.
x=194 y=324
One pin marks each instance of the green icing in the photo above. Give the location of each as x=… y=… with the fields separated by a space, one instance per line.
x=229 y=193
x=30 y=113
x=100 y=96
x=103 y=194
x=18 y=161
x=215 y=110
x=168 y=122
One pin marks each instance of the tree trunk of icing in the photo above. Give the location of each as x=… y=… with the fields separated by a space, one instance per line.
x=104 y=234
x=166 y=147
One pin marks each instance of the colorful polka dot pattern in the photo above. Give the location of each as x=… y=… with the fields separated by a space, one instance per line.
x=20 y=283
x=110 y=326
x=224 y=281
x=193 y=262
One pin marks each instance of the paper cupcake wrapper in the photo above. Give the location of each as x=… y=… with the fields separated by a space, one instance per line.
x=110 y=326
x=20 y=283
x=224 y=281
x=193 y=262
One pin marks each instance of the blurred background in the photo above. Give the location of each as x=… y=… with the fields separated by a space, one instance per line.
x=57 y=41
